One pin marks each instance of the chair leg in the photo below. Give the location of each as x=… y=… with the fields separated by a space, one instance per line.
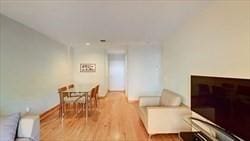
x=82 y=106
x=150 y=137
x=90 y=106
x=60 y=110
x=65 y=107
x=75 y=107
x=85 y=106
x=96 y=102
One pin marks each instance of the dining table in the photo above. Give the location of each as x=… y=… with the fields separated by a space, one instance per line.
x=80 y=91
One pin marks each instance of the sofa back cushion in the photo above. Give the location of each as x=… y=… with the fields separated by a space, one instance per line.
x=8 y=127
x=169 y=98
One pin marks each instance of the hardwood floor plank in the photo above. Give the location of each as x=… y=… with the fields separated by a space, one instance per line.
x=114 y=120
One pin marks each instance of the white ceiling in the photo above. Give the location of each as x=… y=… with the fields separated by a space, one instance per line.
x=75 y=22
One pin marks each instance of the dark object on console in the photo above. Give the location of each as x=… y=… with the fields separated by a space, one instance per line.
x=193 y=136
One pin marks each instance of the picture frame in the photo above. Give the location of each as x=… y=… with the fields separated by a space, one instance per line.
x=87 y=67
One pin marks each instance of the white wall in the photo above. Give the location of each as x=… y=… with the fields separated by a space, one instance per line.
x=143 y=62
x=91 y=54
x=143 y=70
x=32 y=68
x=215 y=43
x=116 y=72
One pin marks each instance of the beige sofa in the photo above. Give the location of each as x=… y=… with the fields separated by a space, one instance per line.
x=19 y=128
x=163 y=114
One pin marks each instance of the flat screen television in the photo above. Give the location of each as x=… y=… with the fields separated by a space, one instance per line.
x=224 y=101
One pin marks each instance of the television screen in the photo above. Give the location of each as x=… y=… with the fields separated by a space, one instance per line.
x=224 y=101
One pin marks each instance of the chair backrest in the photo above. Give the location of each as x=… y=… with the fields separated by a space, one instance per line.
x=62 y=94
x=62 y=89
x=93 y=92
x=71 y=86
x=97 y=89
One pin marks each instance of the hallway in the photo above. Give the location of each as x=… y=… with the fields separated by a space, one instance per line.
x=114 y=120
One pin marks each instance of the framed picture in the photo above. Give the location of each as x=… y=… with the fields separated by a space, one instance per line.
x=87 y=67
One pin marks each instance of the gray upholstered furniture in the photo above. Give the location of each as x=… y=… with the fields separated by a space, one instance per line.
x=19 y=128
x=163 y=114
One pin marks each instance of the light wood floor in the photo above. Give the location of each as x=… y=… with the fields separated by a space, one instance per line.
x=114 y=120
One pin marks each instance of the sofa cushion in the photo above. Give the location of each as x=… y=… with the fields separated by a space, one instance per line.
x=8 y=127
x=23 y=139
x=169 y=98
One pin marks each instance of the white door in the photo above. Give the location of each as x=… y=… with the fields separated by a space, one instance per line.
x=116 y=72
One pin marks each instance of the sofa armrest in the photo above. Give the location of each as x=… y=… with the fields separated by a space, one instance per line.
x=29 y=127
x=171 y=118
x=149 y=101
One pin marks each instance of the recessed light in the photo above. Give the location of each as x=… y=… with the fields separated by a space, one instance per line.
x=87 y=44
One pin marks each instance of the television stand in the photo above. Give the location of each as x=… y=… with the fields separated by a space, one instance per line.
x=193 y=136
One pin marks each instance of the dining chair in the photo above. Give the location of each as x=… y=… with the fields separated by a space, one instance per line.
x=96 y=95
x=82 y=100
x=93 y=96
x=71 y=86
x=65 y=100
x=62 y=94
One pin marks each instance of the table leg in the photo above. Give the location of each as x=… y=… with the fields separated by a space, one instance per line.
x=60 y=110
x=63 y=110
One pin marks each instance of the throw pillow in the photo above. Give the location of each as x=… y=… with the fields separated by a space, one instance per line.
x=169 y=98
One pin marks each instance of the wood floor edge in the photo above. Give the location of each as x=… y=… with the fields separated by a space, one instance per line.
x=49 y=112
x=119 y=91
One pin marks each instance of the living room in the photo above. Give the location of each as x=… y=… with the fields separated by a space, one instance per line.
x=44 y=43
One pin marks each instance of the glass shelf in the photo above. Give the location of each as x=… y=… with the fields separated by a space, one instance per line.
x=199 y=127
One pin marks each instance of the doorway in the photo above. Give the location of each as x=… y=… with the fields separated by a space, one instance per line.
x=116 y=72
